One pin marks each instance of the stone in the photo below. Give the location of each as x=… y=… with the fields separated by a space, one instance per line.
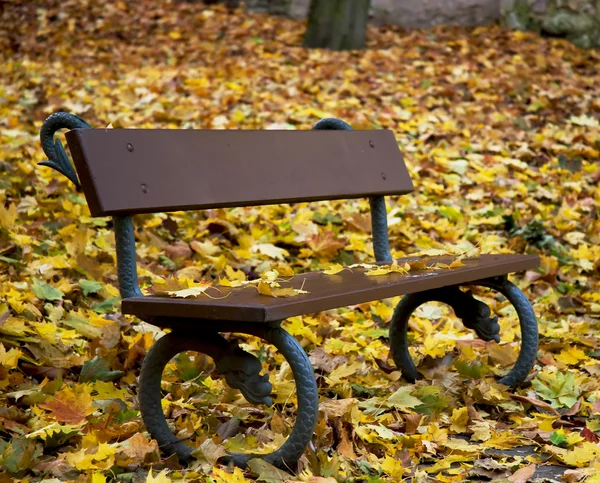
x=576 y=20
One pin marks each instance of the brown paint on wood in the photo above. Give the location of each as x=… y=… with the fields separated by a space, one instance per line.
x=349 y=287
x=128 y=171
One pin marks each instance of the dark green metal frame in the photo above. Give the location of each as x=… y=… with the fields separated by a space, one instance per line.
x=241 y=369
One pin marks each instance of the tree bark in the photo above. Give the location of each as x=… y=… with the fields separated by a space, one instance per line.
x=337 y=24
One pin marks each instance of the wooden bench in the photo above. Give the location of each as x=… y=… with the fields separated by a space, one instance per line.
x=124 y=172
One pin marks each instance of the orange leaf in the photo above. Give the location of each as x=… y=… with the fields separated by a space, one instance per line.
x=325 y=244
x=70 y=406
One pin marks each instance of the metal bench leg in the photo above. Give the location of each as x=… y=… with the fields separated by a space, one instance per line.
x=241 y=371
x=476 y=316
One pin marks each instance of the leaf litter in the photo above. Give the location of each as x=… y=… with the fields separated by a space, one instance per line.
x=500 y=131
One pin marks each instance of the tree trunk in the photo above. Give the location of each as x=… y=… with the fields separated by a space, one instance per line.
x=337 y=24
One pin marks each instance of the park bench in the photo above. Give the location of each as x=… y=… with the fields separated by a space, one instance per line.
x=124 y=172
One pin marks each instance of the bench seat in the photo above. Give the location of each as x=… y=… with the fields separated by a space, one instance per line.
x=348 y=287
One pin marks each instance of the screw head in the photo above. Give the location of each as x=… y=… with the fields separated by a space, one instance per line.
x=383 y=176
x=130 y=147
x=372 y=144
x=144 y=188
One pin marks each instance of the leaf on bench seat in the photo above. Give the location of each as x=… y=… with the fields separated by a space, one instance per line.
x=269 y=283
x=191 y=292
x=274 y=290
x=387 y=269
x=182 y=288
x=334 y=268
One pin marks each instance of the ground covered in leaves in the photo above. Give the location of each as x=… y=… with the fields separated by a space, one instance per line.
x=501 y=134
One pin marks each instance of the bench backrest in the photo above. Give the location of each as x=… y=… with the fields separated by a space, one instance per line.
x=128 y=171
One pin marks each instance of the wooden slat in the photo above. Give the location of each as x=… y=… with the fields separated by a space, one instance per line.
x=171 y=170
x=349 y=287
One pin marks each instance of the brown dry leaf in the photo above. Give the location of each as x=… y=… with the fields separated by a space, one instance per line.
x=337 y=408
x=535 y=402
x=70 y=405
x=138 y=448
x=522 y=475
x=325 y=244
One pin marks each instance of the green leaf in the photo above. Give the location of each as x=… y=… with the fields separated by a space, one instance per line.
x=19 y=454
x=434 y=400
x=90 y=286
x=98 y=370
x=45 y=291
x=402 y=399
x=377 y=333
x=126 y=415
x=106 y=306
x=334 y=219
x=11 y=261
x=267 y=472
x=558 y=388
x=83 y=327
x=361 y=390
x=188 y=368
x=472 y=370
x=451 y=213
x=558 y=438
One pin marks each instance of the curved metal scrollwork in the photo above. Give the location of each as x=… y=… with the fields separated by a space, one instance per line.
x=124 y=235
x=476 y=316
x=241 y=370
x=381 y=244
x=57 y=156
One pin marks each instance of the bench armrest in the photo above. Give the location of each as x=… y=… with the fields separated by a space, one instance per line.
x=381 y=244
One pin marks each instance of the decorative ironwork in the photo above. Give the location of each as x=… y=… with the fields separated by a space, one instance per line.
x=124 y=235
x=57 y=156
x=126 y=257
x=215 y=346
x=474 y=316
x=242 y=371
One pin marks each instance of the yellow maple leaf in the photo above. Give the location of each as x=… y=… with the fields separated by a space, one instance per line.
x=224 y=282
x=460 y=419
x=9 y=359
x=456 y=263
x=224 y=476
x=393 y=468
x=107 y=390
x=274 y=290
x=101 y=457
x=8 y=216
x=340 y=373
x=581 y=456
x=98 y=478
x=333 y=269
x=571 y=356
x=387 y=269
